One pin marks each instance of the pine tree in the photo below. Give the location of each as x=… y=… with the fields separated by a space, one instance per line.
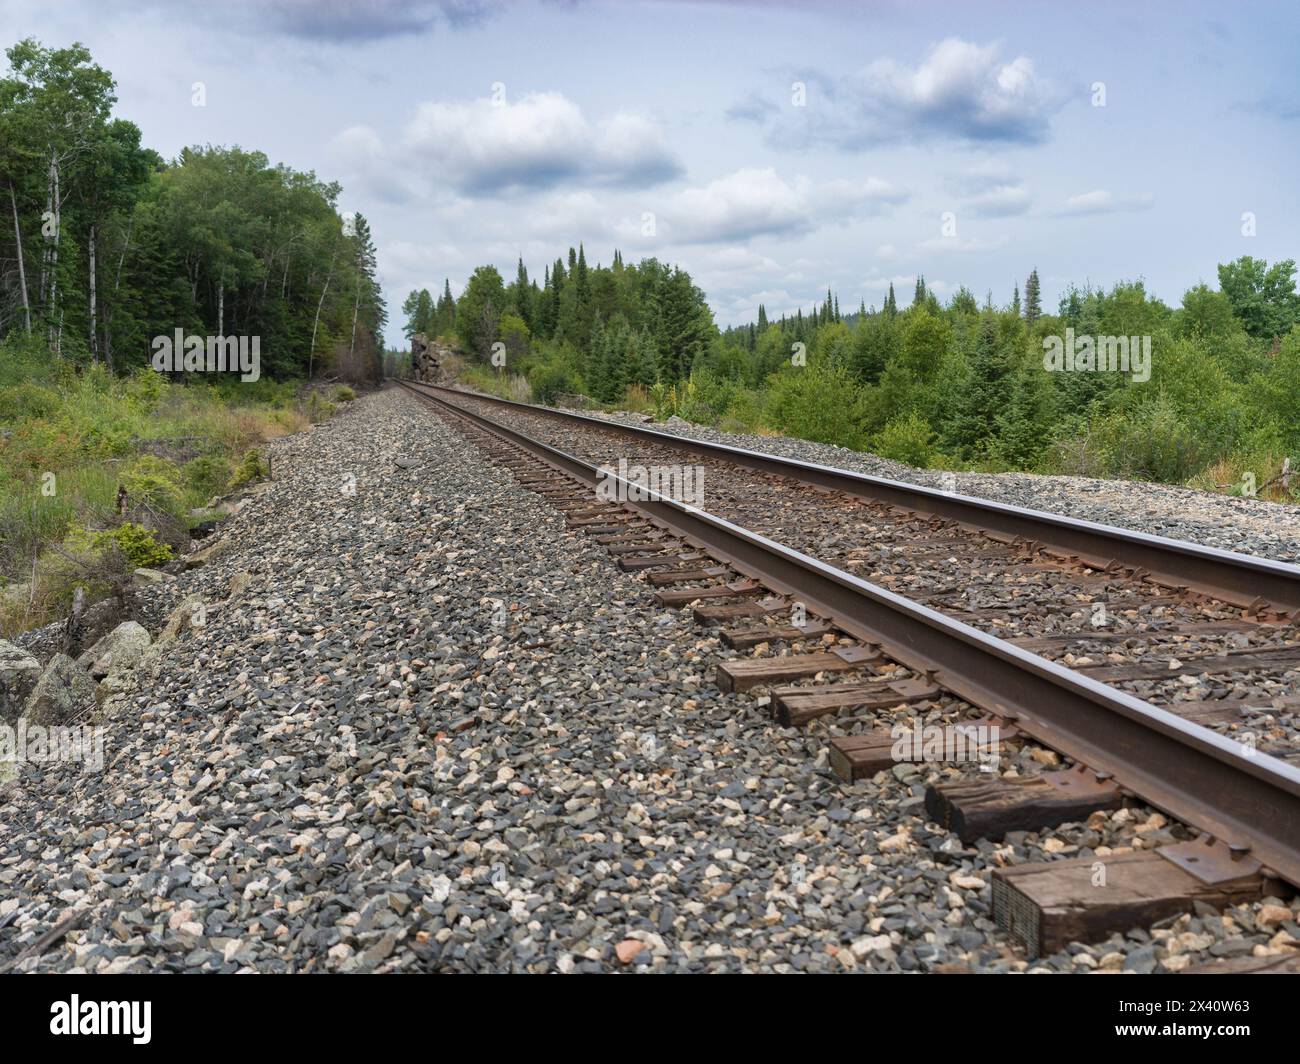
x=891 y=304
x=762 y=317
x=521 y=293
x=1033 y=306
x=919 y=297
x=976 y=423
x=1015 y=302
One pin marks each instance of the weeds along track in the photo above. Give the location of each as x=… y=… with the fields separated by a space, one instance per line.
x=846 y=614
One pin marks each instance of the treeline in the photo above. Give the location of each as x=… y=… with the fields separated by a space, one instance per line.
x=961 y=384
x=591 y=329
x=105 y=245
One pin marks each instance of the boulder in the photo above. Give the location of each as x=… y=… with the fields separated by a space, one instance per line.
x=19 y=672
x=143 y=577
x=62 y=693
x=102 y=617
x=190 y=614
x=120 y=650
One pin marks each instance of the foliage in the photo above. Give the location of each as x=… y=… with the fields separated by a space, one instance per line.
x=551 y=379
x=136 y=543
x=215 y=242
x=907 y=439
x=962 y=384
x=154 y=481
x=251 y=469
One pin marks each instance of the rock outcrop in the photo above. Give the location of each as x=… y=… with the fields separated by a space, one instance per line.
x=19 y=672
x=64 y=691
x=122 y=649
x=429 y=359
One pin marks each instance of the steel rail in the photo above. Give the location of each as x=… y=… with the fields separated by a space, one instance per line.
x=1249 y=800
x=1239 y=579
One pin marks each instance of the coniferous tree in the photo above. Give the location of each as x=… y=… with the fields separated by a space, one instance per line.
x=1033 y=304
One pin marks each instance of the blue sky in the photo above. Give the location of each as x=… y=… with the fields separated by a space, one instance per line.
x=477 y=132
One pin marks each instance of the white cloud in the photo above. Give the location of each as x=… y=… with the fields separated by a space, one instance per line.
x=957 y=244
x=963 y=89
x=959 y=90
x=1002 y=201
x=757 y=202
x=483 y=147
x=1103 y=201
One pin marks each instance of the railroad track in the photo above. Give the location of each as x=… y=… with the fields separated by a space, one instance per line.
x=848 y=645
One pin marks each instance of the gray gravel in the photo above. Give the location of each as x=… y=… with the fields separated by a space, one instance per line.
x=427 y=727
x=1248 y=526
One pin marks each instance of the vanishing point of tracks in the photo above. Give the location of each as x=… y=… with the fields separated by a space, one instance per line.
x=1176 y=676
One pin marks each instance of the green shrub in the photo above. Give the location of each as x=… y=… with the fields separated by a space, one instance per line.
x=906 y=439
x=549 y=380
x=155 y=481
x=253 y=468
x=26 y=400
x=344 y=394
x=818 y=402
x=137 y=545
x=318 y=408
x=206 y=475
x=1153 y=443
x=145 y=387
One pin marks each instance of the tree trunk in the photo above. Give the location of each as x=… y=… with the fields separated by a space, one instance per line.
x=22 y=269
x=356 y=306
x=56 y=332
x=311 y=355
x=221 y=308
x=94 y=323
x=45 y=247
x=117 y=281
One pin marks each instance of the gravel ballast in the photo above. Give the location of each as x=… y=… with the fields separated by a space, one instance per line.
x=1228 y=522
x=423 y=726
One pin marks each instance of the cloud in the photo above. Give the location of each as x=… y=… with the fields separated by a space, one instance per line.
x=754 y=108
x=349 y=21
x=1103 y=201
x=362 y=163
x=990 y=191
x=952 y=243
x=482 y=147
x=960 y=90
x=756 y=202
x=904 y=286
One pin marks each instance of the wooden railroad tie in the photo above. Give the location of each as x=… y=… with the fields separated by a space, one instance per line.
x=856 y=757
x=745 y=638
x=1049 y=905
x=684 y=574
x=710 y=616
x=796 y=706
x=678 y=597
x=746 y=673
x=989 y=808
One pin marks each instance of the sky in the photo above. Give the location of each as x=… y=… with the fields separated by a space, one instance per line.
x=771 y=150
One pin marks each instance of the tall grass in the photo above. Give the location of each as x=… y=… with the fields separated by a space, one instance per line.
x=70 y=439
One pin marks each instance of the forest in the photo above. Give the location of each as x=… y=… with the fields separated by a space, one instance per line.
x=108 y=249
x=107 y=245
x=957 y=384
